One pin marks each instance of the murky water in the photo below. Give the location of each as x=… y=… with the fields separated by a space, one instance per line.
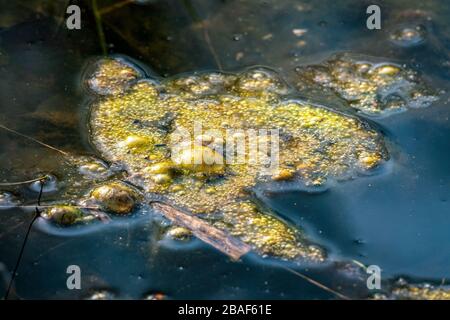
x=397 y=219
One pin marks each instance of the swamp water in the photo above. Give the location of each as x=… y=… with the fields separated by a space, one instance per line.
x=396 y=217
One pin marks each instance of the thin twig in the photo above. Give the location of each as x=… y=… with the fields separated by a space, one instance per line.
x=98 y=22
x=209 y=44
x=22 y=249
x=114 y=6
x=49 y=206
x=11 y=229
x=204 y=25
x=33 y=139
x=6 y=184
x=317 y=284
x=61 y=19
x=48 y=250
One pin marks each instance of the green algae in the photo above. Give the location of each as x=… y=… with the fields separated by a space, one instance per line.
x=403 y=290
x=371 y=86
x=136 y=122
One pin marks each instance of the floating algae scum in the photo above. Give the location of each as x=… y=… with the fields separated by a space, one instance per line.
x=371 y=86
x=135 y=127
x=134 y=122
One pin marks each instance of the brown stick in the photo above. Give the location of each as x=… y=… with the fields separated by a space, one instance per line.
x=232 y=247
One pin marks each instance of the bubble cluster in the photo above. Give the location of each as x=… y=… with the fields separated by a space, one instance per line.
x=48 y=184
x=135 y=124
x=178 y=233
x=7 y=200
x=112 y=76
x=115 y=197
x=64 y=214
x=253 y=82
x=408 y=36
x=373 y=88
x=101 y=295
x=402 y=290
x=94 y=169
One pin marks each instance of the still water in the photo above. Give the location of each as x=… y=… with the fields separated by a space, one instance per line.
x=397 y=219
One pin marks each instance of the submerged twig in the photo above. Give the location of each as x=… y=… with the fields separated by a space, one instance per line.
x=209 y=44
x=33 y=139
x=204 y=26
x=60 y=19
x=317 y=284
x=219 y=239
x=114 y=6
x=98 y=22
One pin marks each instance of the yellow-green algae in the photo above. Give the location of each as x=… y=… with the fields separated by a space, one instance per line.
x=115 y=197
x=123 y=75
x=402 y=290
x=64 y=214
x=135 y=126
x=374 y=88
x=422 y=292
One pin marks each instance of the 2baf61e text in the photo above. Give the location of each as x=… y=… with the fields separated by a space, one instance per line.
x=226 y=309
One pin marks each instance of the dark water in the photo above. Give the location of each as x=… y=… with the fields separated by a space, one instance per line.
x=398 y=219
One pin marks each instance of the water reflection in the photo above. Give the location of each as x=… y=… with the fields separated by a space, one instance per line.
x=397 y=220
